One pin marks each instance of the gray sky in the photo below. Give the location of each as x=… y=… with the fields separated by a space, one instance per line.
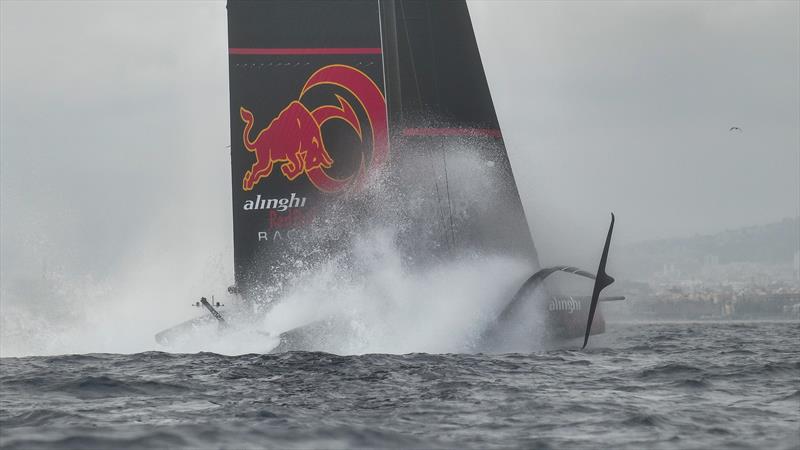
x=114 y=122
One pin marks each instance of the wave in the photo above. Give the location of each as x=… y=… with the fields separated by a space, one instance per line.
x=671 y=369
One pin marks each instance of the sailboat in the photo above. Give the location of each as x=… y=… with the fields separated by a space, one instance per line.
x=345 y=113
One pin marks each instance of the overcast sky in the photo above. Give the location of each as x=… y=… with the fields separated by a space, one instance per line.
x=114 y=122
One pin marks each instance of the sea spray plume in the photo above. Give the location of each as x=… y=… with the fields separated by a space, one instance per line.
x=40 y=313
x=55 y=300
x=392 y=267
x=386 y=306
x=375 y=270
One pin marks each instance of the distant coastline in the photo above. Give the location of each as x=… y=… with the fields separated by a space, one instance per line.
x=751 y=273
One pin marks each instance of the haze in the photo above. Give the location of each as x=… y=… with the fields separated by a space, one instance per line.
x=114 y=123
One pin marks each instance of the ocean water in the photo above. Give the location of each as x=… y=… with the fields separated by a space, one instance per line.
x=664 y=385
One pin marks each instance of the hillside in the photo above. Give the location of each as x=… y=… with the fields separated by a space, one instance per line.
x=771 y=244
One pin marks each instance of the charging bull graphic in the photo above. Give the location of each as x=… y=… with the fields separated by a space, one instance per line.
x=294 y=138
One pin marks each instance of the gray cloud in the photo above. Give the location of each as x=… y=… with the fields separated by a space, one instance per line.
x=627 y=106
x=114 y=127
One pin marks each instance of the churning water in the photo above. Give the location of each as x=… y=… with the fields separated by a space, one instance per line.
x=668 y=385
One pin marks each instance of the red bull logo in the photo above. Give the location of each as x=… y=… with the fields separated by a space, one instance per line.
x=293 y=140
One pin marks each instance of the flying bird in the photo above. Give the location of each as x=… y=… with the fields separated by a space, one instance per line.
x=735 y=129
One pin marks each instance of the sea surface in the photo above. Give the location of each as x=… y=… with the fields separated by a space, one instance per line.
x=662 y=385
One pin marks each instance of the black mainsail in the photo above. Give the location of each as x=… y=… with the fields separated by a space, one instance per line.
x=445 y=109
x=328 y=93
x=348 y=115
x=302 y=75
